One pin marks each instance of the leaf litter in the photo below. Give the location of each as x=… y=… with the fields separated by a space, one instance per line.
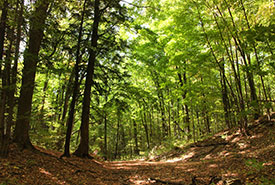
x=228 y=157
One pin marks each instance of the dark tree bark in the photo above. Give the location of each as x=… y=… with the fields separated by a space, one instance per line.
x=136 y=138
x=182 y=82
x=21 y=135
x=144 y=123
x=83 y=147
x=117 y=134
x=161 y=104
x=6 y=93
x=246 y=57
x=11 y=78
x=105 y=136
x=2 y=39
x=3 y=29
x=226 y=105
x=68 y=94
x=75 y=88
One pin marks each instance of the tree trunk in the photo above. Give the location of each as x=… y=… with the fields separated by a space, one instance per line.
x=226 y=105
x=83 y=148
x=144 y=123
x=3 y=30
x=75 y=88
x=105 y=136
x=11 y=74
x=136 y=137
x=30 y=62
x=68 y=94
x=2 y=39
x=7 y=93
x=117 y=134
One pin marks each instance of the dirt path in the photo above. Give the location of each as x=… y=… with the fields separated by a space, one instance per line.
x=178 y=172
x=228 y=157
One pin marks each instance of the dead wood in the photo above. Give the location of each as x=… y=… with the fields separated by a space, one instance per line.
x=166 y=182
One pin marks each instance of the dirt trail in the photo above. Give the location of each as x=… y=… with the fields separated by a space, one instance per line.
x=226 y=158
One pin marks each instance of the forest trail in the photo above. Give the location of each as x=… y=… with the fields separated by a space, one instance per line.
x=225 y=158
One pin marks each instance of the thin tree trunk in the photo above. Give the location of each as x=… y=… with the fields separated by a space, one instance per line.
x=136 y=138
x=105 y=136
x=144 y=122
x=75 y=88
x=117 y=134
x=225 y=98
x=68 y=94
x=257 y=59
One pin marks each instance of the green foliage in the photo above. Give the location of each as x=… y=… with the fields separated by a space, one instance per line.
x=159 y=65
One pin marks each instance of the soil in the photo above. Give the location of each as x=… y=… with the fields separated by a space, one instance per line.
x=228 y=157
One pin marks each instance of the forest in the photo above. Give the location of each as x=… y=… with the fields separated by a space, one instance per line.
x=127 y=79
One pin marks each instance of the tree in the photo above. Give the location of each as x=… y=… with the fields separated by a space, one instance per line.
x=37 y=24
x=75 y=88
x=83 y=148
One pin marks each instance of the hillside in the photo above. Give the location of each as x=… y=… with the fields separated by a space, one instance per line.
x=226 y=158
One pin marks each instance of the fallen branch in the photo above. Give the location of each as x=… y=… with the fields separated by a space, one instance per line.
x=166 y=182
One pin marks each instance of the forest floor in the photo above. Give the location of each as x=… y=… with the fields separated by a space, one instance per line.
x=228 y=157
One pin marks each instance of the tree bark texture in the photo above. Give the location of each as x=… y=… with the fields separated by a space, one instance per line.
x=83 y=148
x=37 y=24
x=75 y=88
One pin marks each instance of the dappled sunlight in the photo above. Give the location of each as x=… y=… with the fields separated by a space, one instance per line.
x=236 y=139
x=188 y=156
x=230 y=174
x=224 y=153
x=174 y=160
x=209 y=156
x=51 y=176
x=213 y=166
x=131 y=165
x=245 y=152
x=186 y=168
x=122 y=168
x=270 y=163
x=138 y=180
x=242 y=145
x=257 y=136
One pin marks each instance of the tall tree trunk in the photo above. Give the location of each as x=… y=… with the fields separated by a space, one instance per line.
x=75 y=88
x=6 y=81
x=41 y=111
x=2 y=39
x=11 y=80
x=3 y=30
x=136 y=138
x=68 y=94
x=144 y=123
x=258 y=64
x=21 y=134
x=226 y=105
x=117 y=134
x=83 y=147
x=105 y=136
x=246 y=57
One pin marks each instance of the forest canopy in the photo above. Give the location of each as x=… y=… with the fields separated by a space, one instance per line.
x=122 y=78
